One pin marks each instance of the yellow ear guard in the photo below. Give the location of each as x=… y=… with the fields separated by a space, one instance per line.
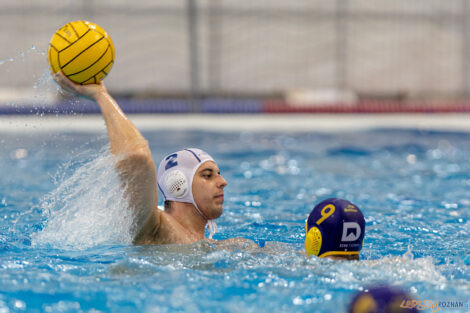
x=313 y=240
x=365 y=303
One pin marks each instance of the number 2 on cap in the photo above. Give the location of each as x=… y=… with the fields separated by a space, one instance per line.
x=171 y=161
x=325 y=214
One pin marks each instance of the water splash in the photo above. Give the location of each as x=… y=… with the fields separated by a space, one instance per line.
x=87 y=208
x=38 y=97
x=22 y=55
x=10 y=59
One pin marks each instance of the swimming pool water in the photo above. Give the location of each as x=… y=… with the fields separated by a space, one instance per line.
x=65 y=239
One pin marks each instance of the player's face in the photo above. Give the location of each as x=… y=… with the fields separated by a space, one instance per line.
x=208 y=189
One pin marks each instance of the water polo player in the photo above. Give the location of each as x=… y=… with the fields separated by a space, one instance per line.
x=383 y=299
x=189 y=179
x=335 y=229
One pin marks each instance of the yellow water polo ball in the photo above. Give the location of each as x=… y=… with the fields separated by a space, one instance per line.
x=83 y=51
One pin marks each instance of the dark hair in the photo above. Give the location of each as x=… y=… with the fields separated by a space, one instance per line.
x=349 y=257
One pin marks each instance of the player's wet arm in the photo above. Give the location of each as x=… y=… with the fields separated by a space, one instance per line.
x=134 y=159
x=138 y=178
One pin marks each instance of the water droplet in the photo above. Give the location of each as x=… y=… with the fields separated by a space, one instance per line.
x=411 y=159
x=20 y=305
x=448 y=205
x=19 y=154
x=297 y=301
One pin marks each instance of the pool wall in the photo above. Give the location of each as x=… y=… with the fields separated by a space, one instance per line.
x=233 y=105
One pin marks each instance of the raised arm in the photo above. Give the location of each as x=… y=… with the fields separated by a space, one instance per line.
x=135 y=164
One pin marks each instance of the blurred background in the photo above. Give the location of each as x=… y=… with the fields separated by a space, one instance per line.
x=254 y=56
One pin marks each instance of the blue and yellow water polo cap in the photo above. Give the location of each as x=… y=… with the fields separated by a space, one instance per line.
x=384 y=299
x=334 y=227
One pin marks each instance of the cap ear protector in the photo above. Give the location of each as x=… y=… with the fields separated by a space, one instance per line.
x=364 y=304
x=313 y=240
x=314 y=236
x=176 y=183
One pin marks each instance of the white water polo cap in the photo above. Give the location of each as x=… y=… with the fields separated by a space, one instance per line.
x=176 y=172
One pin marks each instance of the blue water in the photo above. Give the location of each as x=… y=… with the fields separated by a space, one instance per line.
x=65 y=239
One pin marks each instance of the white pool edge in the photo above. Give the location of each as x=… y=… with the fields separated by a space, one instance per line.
x=243 y=122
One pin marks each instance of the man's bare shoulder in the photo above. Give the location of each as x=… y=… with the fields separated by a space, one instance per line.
x=162 y=228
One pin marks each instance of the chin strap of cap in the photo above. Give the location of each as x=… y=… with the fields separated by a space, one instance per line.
x=212 y=228
x=210 y=223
